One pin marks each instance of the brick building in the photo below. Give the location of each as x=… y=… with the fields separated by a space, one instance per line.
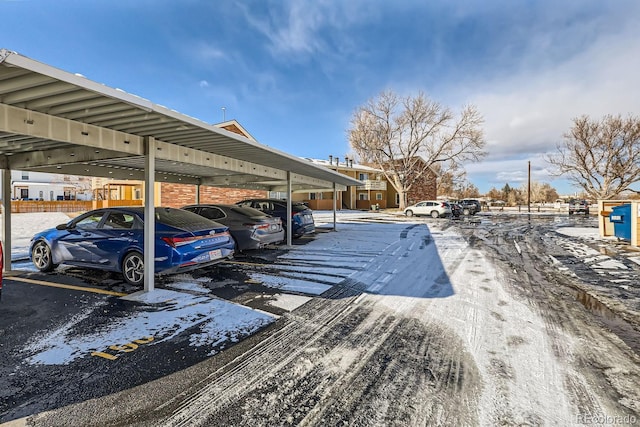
x=425 y=188
x=373 y=191
x=178 y=195
x=375 y=188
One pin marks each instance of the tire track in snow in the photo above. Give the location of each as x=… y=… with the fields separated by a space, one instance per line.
x=306 y=383
x=576 y=341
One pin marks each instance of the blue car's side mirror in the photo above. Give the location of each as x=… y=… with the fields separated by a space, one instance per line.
x=61 y=227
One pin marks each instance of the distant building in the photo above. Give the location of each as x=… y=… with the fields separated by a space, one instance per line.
x=178 y=195
x=373 y=191
x=49 y=187
x=376 y=190
x=425 y=188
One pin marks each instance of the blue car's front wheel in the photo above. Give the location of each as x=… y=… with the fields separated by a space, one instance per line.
x=41 y=256
x=133 y=268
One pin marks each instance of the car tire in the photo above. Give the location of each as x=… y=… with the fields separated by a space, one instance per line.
x=133 y=268
x=41 y=256
x=466 y=211
x=408 y=213
x=435 y=214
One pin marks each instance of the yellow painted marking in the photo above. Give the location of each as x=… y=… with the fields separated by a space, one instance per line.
x=105 y=355
x=127 y=348
x=60 y=285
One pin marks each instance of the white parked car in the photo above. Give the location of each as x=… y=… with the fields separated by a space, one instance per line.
x=434 y=208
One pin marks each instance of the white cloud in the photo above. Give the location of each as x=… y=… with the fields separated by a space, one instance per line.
x=527 y=113
x=296 y=28
x=207 y=52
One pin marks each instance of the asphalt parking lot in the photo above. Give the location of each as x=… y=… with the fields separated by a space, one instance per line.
x=112 y=343
x=35 y=307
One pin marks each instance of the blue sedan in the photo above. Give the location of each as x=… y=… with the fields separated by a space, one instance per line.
x=113 y=238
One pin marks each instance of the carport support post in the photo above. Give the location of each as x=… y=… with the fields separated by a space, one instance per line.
x=149 y=213
x=289 y=206
x=6 y=218
x=335 y=201
x=197 y=194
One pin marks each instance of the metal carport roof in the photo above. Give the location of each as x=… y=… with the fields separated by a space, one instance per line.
x=55 y=121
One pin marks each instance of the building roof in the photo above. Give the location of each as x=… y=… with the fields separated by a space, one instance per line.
x=344 y=165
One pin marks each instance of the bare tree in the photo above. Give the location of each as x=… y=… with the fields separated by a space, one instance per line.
x=494 y=194
x=453 y=182
x=468 y=190
x=450 y=179
x=602 y=157
x=405 y=137
x=540 y=192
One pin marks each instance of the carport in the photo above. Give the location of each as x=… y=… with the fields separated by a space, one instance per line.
x=58 y=122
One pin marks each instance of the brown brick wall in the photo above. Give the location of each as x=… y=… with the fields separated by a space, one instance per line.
x=178 y=195
x=424 y=189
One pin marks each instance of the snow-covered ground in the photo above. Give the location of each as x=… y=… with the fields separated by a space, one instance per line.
x=303 y=272
x=414 y=269
x=188 y=301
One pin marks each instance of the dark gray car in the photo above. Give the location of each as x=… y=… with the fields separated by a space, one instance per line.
x=301 y=216
x=470 y=206
x=250 y=228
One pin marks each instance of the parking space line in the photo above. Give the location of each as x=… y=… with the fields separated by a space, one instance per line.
x=60 y=285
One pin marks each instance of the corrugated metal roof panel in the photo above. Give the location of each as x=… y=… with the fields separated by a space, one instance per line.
x=29 y=85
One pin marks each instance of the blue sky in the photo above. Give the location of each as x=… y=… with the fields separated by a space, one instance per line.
x=293 y=72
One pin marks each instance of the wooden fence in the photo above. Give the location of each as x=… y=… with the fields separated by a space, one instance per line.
x=28 y=206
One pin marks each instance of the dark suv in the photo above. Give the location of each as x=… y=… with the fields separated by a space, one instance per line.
x=301 y=216
x=470 y=206
x=578 y=206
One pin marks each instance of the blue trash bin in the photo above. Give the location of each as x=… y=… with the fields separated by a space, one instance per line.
x=621 y=218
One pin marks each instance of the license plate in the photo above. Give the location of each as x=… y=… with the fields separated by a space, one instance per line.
x=215 y=254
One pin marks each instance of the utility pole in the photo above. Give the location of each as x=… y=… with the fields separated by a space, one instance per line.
x=529 y=189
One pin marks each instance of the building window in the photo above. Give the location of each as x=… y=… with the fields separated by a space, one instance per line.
x=378 y=196
x=277 y=195
x=50 y=195
x=363 y=196
x=138 y=194
x=25 y=175
x=363 y=177
x=315 y=196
